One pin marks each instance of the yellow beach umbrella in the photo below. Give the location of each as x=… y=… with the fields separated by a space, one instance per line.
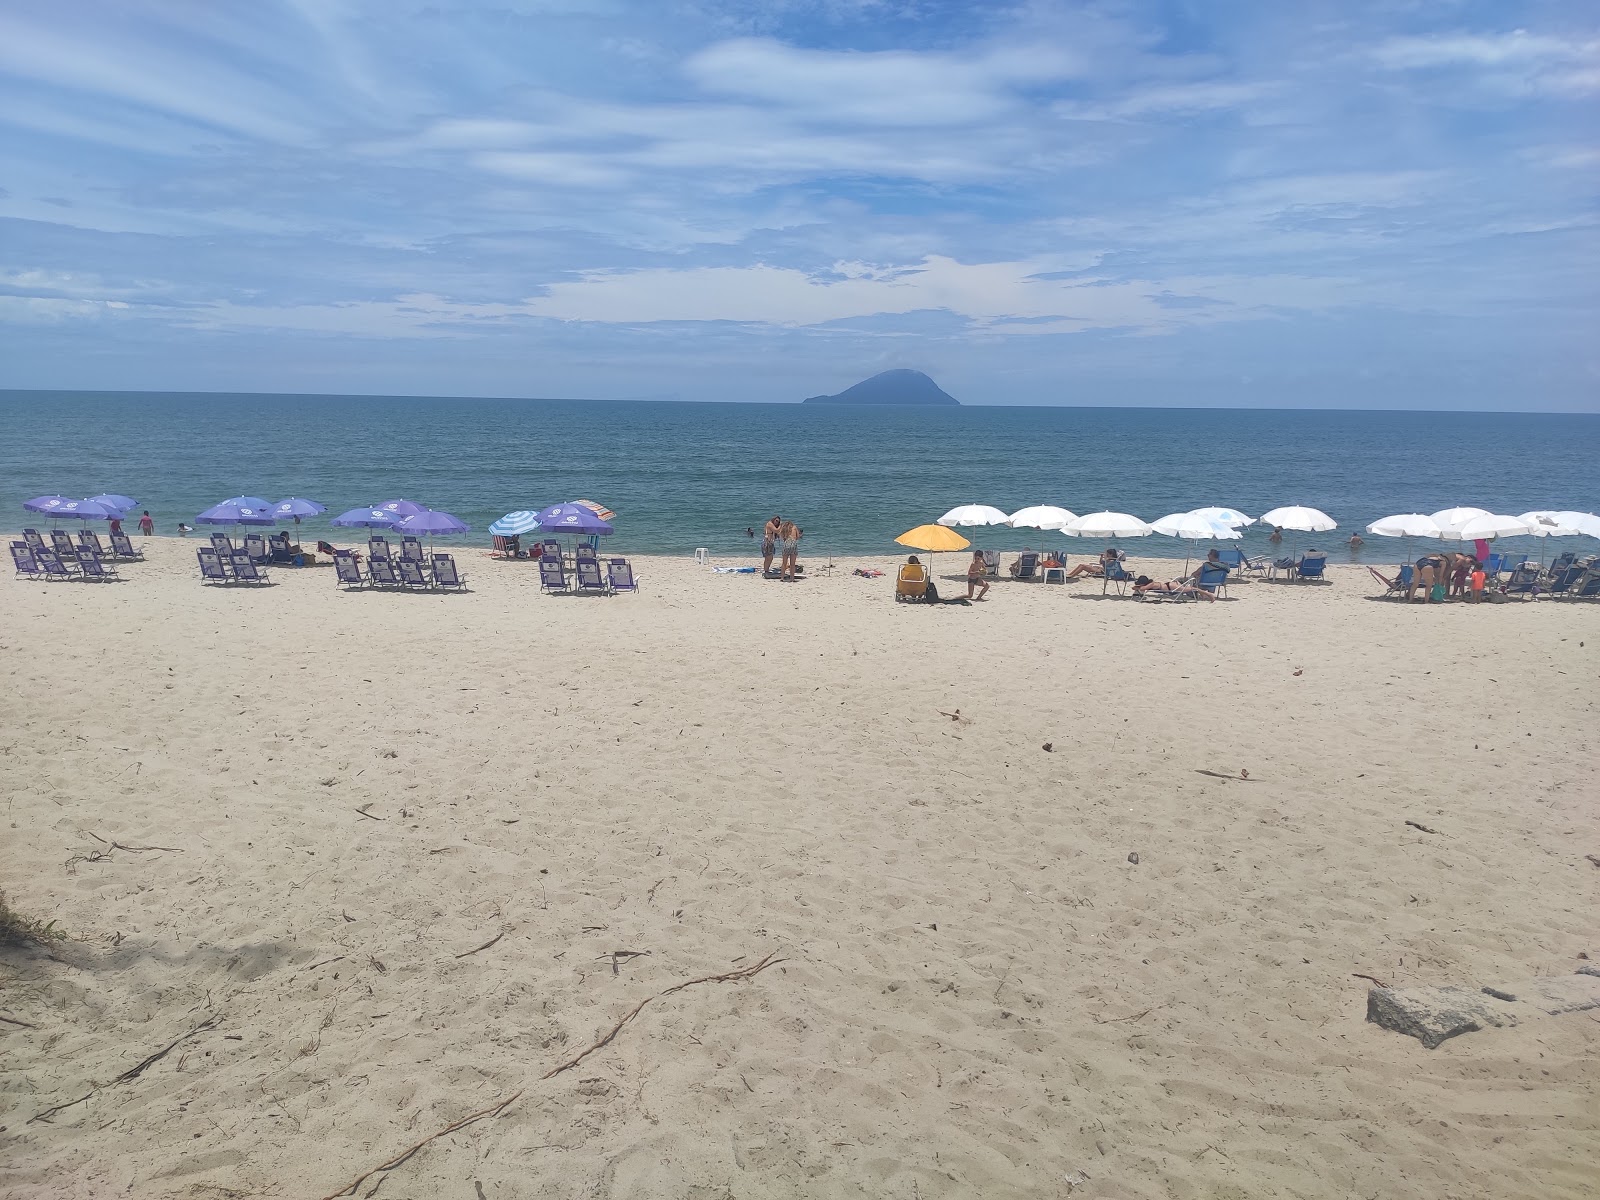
x=933 y=538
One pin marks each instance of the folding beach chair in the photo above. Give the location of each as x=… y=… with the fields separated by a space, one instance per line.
x=1398 y=585
x=52 y=566
x=1310 y=566
x=122 y=548
x=1117 y=574
x=590 y=581
x=991 y=563
x=245 y=569
x=552 y=575
x=445 y=574
x=61 y=543
x=411 y=551
x=586 y=553
x=94 y=568
x=256 y=547
x=33 y=541
x=1026 y=566
x=223 y=545
x=381 y=573
x=1589 y=588
x=1523 y=581
x=378 y=548
x=27 y=567
x=411 y=576
x=348 y=571
x=619 y=573
x=89 y=540
x=1213 y=579
x=1562 y=582
x=212 y=569
x=911 y=583
x=549 y=548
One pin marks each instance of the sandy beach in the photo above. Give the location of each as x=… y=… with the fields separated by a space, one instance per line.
x=392 y=859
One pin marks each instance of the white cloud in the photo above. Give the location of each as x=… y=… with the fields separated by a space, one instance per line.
x=1517 y=61
x=1169 y=99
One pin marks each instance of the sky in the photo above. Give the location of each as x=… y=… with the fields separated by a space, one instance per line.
x=1331 y=203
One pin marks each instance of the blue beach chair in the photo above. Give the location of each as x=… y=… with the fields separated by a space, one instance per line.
x=552 y=575
x=22 y=559
x=1310 y=566
x=445 y=574
x=1117 y=574
x=1213 y=579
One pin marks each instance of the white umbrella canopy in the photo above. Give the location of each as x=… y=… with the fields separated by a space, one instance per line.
x=1193 y=526
x=1107 y=524
x=1451 y=518
x=974 y=514
x=1546 y=522
x=1487 y=526
x=1304 y=520
x=1041 y=516
x=1584 y=523
x=1231 y=517
x=1405 y=525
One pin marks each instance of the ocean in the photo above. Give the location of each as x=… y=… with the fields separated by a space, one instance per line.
x=684 y=475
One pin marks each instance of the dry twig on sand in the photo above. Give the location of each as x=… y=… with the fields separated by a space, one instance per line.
x=497 y=1108
x=132 y=1072
x=486 y=945
x=1424 y=828
x=1368 y=978
x=136 y=849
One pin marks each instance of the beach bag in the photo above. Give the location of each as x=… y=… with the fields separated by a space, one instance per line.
x=931 y=596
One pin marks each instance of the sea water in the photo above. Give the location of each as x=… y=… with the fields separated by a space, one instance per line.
x=684 y=475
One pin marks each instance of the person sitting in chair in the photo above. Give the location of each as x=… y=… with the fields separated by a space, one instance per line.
x=1145 y=586
x=1098 y=567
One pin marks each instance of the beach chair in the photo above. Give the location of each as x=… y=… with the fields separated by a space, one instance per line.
x=53 y=567
x=550 y=548
x=586 y=553
x=122 y=548
x=245 y=569
x=1115 y=573
x=94 y=568
x=348 y=571
x=911 y=583
x=223 y=545
x=1562 y=582
x=411 y=551
x=411 y=576
x=381 y=573
x=590 y=581
x=256 y=547
x=33 y=541
x=1026 y=566
x=1310 y=566
x=1213 y=579
x=1589 y=587
x=619 y=574
x=61 y=542
x=27 y=567
x=445 y=574
x=212 y=567
x=378 y=549
x=991 y=563
x=89 y=540
x=1398 y=585
x=552 y=575
x=1523 y=581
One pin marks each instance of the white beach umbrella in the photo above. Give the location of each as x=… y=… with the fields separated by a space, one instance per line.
x=1193 y=526
x=974 y=514
x=1451 y=518
x=1585 y=523
x=1305 y=520
x=1546 y=522
x=1487 y=526
x=1108 y=525
x=1405 y=525
x=1231 y=517
x=1040 y=516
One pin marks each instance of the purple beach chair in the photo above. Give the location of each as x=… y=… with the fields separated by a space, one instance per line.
x=61 y=542
x=619 y=572
x=22 y=559
x=121 y=547
x=211 y=568
x=245 y=569
x=95 y=570
x=446 y=575
x=411 y=551
x=222 y=545
x=256 y=547
x=589 y=578
x=378 y=548
x=381 y=574
x=348 y=571
x=33 y=541
x=411 y=576
x=52 y=566
x=552 y=575
x=89 y=540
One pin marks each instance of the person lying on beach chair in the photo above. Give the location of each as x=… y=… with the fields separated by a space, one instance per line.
x=1096 y=568
x=1145 y=586
x=328 y=549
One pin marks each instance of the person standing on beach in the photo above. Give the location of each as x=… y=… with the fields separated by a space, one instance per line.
x=769 y=544
x=789 y=535
x=976 y=570
x=146 y=525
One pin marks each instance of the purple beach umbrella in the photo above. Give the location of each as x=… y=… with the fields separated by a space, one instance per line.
x=574 y=519
x=366 y=518
x=431 y=522
x=294 y=507
x=60 y=506
x=123 y=504
x=230 y=512
x=401 y=508
x=46 y=504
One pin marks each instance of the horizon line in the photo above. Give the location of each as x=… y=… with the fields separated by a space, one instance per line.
x=796 y=403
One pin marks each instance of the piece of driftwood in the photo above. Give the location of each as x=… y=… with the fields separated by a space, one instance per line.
x=132 y=1072
x=492 y=1111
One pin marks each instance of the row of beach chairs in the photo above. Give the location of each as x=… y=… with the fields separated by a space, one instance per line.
x=236 y=567
x=45 y=565
x=586 y=577
x=275 y=549
x=402 y=574
x=88 y=542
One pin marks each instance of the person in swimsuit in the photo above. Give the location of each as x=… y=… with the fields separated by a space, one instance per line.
x=1144 y=586
x=1276 y=536
x=147 y=526
x=976 y=570
x=789 y=537
x=1097 y=568
x=769 y=544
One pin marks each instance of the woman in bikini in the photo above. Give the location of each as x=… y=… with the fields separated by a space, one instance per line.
x=789 y=536
x=769 y=544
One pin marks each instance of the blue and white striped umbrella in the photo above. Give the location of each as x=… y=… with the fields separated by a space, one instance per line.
x=515 y=524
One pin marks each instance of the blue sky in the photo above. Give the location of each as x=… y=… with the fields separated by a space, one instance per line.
x=1321 y=204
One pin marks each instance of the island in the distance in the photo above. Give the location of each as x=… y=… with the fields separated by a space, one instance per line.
x=890 y=387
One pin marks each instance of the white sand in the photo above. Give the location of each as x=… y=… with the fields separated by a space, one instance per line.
x=979 y=995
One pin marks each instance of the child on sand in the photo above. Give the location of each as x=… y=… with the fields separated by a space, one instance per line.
x=976 y=570
x=1479 y=578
